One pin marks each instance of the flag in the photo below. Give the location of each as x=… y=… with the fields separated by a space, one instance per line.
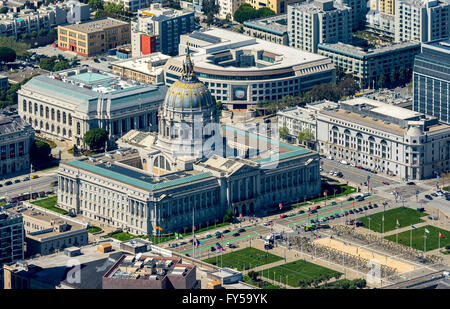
x=398 y=223
x=240 y=216
x=427 y=231
x=382 y=219
x=195 y=228
x=441 y=236
x=325 y=193
x=413 y=227
x=280 y=205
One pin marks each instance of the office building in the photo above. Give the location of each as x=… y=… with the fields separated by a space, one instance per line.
x=380 y=23
x=69 y=103
x=47 y=233
x=16 y=137
x=367 y=65
x=385 y=138
x=4 y=82
x=422 y=20
x=191 y=172
x=159 y=29
x=241 y=71
x=146 y=69
x=383 y=6
x=272 y=29
x=11 y=237
x=94 y=37
x=431 y=80
x=150 y=272
x=320 y=21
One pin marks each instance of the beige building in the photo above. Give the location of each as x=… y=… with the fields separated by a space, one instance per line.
x=145 y=69
x=94 y=37
x=278 y=6
x=47 y=232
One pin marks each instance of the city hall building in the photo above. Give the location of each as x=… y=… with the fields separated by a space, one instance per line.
x=69 y=103
x=241 y=71
x=385 y=138
x=192 y=169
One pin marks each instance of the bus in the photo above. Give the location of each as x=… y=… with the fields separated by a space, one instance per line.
x=311 y=227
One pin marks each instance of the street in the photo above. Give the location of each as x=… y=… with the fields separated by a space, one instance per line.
x=43 y=183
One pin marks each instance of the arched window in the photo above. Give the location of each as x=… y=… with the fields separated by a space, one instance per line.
x=24 y=105
x=35 y=108
x=58 y=130
x=58 y=116
x=41 y=111
x=35 y=122
x=64 y=117
x=70 y=133
x=47 y=112
x=53 y=114
x=53 y=128
x=41 y=124
x=30 y=107
x=70 y=119
x=64 y=131
x=46 y=126
x=78 y=128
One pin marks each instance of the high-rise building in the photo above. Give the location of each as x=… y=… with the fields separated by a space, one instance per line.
x=11 y=237
x=431 y=80
x=422 y=20
x=228 y=7
x=131 y=5
x=358 y=12
x=159 y=29
x=320 y=21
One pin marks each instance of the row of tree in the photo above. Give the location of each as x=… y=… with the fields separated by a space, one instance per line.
x=398 y=77
x=55 y=63
x=247 y=12
x=345 y=284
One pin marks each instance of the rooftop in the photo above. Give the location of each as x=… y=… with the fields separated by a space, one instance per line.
x=150 y=65
x=161 y=13
x=13 y=124
x=96 y=25
x=361 y=53
x=267 y=56
x=49 y=224
x=145 y=267
x=275 y=24
x=319 y=6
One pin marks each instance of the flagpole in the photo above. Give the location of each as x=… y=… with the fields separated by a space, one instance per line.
x=193 y=232
x=439 y=243
x=410 y=238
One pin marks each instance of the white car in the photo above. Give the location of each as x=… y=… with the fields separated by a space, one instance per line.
x=330 y=158
x=331 y=173
x=439 y=192
x=344 y=162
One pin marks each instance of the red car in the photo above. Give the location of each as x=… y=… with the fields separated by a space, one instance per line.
x=360 y=167
x=317 y=207
x=283 y=216
x=386 y=183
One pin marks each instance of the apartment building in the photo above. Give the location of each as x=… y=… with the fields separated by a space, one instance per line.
x=385 y=138
x=228 y=7
x=367 y=65
x=11 y=237
x=131 y=5
x=431 y=80
x=94 y=37
x=159 y=29
x=358 y=12
x=422 y=20
x=320 y=21
x=278 y=6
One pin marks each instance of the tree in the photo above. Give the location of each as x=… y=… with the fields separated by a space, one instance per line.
x=253 y=275
x=244 y=13
x=25 y=36
x=284 y=133
x=34 y=34
x=95 y=4
x=264 y=12
x=305 y=136
x=228 y=216
x=381 y=81
x=7 y=54
x=40 y=151
x=61 y=65
x=43 y=32
x=4 y=10
x=96 y=138
x=210 y=8
x=393 y=78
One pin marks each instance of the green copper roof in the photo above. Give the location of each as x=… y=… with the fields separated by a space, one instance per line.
x=136 y=182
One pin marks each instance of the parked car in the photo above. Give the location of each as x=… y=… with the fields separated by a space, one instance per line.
x=434 y=194
x=360 y=167
x=343 y=162
x=350 y=199
x=375 y=206
x=8 y=183
x=34 y=176
x=208 y=236
x=370 y=207
x=333 y=203
x=213 y=249
x=25 y=178
x=96 y=60
x=428 y=197
x=313 y=211
x=300 y=212
x=420 y=209
x=359 y=223
x=330 y=158
x=366 y=194
x=283 y=216
x=351 y=212
x=340 y=175
x=16 y=180
x=332 y=217
x=267 y=223
x=411 y=183
x=386 y=183
x=360 y=209
x=241 y=230
x=236 y=234
x=366 y=208
x=317 y=207
x=346 y=213
x=226 y=231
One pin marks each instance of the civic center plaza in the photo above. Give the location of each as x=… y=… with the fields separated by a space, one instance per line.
x=193 y=168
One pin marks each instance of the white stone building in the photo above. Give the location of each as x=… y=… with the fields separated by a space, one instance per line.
x=385 y=138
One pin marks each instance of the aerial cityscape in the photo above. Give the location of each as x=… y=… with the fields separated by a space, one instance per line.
x=224 y=145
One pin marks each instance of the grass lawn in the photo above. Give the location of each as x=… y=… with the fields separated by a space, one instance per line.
x=248 y=258
x=341 y=190
x=405 y=217
x=446 y=188
x=432 y=240
x=124 y=236
x=94 y=229
x=50 y=204
x=298 y=270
